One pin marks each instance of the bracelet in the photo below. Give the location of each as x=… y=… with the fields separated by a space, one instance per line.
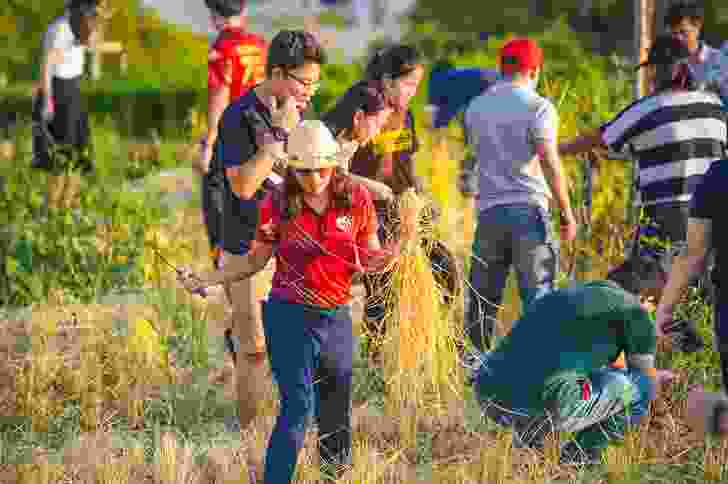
x=279 y=134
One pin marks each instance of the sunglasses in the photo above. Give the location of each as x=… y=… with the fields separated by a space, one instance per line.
x=309 y=171
x=314 y=85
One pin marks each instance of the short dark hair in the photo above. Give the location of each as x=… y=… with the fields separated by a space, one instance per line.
x=687 y=9
x=362 y=96
x=84 y=7
x=225 y=8
x=395 y=61
x=291 y=49
x=637 y=274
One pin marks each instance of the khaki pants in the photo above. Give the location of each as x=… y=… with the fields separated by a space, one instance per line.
x=250 y=368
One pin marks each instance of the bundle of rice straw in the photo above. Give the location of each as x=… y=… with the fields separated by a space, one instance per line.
x=419 y=347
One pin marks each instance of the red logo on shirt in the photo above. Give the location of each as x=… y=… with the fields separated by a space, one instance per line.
x=345 y=223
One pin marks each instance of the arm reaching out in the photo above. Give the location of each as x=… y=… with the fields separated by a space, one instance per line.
x=582 y=144
x=238 y=269
x=688 y=264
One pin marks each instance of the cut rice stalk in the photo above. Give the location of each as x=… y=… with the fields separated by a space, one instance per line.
x=419 y=349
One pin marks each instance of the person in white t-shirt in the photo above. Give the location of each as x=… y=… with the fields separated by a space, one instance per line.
x=62 y=137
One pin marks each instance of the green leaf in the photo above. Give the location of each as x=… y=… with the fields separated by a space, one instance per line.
x=11 y=265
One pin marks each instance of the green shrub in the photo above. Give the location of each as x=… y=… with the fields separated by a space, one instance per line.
x=135 y=108
x=88 y=253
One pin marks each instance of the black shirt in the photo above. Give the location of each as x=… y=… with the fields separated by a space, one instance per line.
x=243 y=128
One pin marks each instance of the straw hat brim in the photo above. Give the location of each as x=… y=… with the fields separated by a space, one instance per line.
x=317 y=162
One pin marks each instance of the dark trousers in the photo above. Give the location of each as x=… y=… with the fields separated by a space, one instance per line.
x=311 y=357
x=720 y=322
x=212 y=204
x=69 y=130
x=666 y=222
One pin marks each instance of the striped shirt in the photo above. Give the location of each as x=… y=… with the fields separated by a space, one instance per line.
x=674 y=136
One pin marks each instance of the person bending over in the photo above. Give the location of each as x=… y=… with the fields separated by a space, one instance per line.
x=555 y=370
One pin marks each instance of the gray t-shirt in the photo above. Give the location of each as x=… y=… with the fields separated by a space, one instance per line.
x=505 y=125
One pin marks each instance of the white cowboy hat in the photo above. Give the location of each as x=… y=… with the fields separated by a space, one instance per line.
x=312 y=146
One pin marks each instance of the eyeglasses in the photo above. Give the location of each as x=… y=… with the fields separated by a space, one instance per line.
x=309 y=171
x=313 y=85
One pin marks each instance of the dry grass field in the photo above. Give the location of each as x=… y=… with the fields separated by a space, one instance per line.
x=138 y=391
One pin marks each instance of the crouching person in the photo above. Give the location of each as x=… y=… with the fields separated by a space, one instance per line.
x=561 y=353
x=322 y=228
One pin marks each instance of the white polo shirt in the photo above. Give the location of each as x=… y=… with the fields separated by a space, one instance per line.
x=60 y=36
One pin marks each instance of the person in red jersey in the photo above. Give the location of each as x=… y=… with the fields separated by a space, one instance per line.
x=236 y=63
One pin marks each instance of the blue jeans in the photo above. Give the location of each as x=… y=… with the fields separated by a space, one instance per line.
x=596 y=409
x=311 y=357
x=508 y=235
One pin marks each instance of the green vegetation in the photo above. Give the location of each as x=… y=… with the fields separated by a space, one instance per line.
x=608 y=18
x=151 y=43
x=87 y=253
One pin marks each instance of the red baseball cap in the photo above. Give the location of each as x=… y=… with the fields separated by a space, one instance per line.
x=520 y=55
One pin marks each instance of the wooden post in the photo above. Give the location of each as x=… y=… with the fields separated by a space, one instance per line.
x=645 y=29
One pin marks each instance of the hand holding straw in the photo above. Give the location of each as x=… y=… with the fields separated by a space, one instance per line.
x=184 y=275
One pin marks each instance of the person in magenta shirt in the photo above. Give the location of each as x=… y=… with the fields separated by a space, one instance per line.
x=322 y=229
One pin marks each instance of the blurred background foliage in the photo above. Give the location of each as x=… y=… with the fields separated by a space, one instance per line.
x=166 y=72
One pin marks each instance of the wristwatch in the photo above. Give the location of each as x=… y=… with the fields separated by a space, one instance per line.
x=279 y=134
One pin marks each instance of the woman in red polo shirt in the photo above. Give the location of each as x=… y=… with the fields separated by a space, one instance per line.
x=324 y=230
